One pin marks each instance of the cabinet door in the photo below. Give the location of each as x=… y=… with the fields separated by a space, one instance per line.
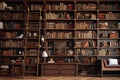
x=67 y=72
x=51 y=72
x=53 y=67
x=67 y=67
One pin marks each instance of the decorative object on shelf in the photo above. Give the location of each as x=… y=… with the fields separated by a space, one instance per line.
x=13 y=61
x=42 y=38
x=20 y=36
x=3 y=5
x=70 y=52
x=44 y=55
x=4 y=67
x=51 y=60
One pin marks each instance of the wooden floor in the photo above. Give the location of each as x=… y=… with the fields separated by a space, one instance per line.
x=60 y=78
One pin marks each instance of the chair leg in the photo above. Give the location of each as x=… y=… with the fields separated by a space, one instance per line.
x=101 y=73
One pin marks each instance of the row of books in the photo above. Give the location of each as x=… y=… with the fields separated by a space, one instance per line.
x=59 y=25
x=11 y=43
x=31 y=61
x=33 y=26
x=87 y=60
x=12 y=52
x=61 y=35
x=108 y=34
x=109 y=16
x=86 y=34
x=13 y=16
x=35 y=16
x=85 y=43
x=86 y=52
x=32 y=52
x=36 y=7
x=17 y=60
x=109 y=25
x=86 y=6
x=85 y=25
x=32 y=44
x=109 y=52
x=11 y=25
x=92 y=16
x=109 y=43
x=5 y=6
x=81 y=25
x=60 y=44
x=81 y=15
x=9 y=35
x=62 y=15
x=109 y=7
x=60 y=6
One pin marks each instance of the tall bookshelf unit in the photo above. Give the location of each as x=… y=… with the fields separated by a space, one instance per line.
x=12 y=37
x=74 y=33
x=86 y=36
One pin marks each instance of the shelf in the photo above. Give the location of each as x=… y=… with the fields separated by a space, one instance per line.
x=80 y=64
x=86 y=38
x=13 y=11
x=109 y=38
x=86 y=19
x=10 y=56
x=60 y=63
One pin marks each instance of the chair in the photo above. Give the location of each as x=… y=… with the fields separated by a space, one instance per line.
x=105 y=66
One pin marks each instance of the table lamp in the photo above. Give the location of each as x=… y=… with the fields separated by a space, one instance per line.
x=44 y=54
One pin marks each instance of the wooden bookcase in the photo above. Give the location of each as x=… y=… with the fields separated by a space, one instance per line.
x=74 y=33
x=12 y=37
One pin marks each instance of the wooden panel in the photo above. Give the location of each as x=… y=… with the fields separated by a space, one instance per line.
x=67 y=67
x=67 y=72
x=50 y=72
x=51 y=66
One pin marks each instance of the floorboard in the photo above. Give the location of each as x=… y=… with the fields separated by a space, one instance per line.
x=59 y=78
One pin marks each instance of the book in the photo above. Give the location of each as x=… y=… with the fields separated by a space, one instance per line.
x=113 y=34
x=1 y=25
x=118 y=24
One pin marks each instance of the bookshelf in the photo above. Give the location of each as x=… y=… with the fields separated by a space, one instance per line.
x=74 y=33
x=86 y=36
x=109 y=29
x=12 y=37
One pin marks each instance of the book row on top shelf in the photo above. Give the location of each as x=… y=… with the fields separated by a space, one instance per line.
x=62 y=5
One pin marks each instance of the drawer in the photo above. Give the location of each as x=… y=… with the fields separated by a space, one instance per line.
x=67 y=67
x=67 y=72
x=50 y=66
x=50 y=72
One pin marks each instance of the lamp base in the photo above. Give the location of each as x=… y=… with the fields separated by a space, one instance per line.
x=44 y=60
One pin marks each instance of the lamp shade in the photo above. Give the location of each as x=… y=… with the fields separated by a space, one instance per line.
x=44 y=54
